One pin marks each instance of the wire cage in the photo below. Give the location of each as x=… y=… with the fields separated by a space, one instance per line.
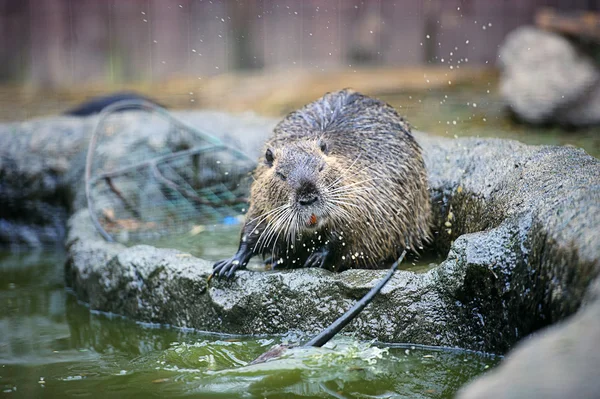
x=149 y=174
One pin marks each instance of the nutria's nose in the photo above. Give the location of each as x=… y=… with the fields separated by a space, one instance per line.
x=307 y=194
x=308 y=201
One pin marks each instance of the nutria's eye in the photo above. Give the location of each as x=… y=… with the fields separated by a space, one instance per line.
x=269 y=157
x=323 y=147
x=281 y=175
x=322 y=167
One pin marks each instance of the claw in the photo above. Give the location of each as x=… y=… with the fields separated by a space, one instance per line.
x=231 y=271
x=225 y=268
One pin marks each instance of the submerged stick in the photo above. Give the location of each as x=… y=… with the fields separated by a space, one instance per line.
x=327 y=334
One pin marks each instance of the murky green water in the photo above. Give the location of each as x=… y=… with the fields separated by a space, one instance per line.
x=53 y=346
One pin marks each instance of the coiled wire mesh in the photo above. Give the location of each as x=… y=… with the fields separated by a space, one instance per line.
x=149 y=174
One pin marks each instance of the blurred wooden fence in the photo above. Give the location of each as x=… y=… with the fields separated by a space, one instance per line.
x=51 y=43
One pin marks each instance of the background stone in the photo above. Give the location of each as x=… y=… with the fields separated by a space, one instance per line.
x=546 y=78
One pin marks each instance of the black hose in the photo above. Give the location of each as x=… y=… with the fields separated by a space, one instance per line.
x=328 y=333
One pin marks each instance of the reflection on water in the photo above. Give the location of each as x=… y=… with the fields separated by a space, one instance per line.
x=53 y=346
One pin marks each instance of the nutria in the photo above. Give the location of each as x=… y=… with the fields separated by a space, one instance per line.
x=341 y=184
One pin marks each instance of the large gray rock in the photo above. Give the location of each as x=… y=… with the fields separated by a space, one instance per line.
x=548 y=79
x=41 y=163
x=562 y=362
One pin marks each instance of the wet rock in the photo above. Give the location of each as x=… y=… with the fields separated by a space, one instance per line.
x=41 y=163
x=561 y=362
x=547 y=78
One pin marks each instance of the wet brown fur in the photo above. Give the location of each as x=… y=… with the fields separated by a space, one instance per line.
x=370 y=176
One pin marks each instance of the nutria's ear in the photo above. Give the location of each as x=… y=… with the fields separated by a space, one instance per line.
x=323 y=146
x=269 y=157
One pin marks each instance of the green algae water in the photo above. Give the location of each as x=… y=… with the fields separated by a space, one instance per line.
x=53 y=346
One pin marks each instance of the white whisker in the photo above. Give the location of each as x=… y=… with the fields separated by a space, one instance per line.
x=274 y=215
x=345 y=203
x=353 y=184
x=269 y=226
x=341 y=176
x=273 y=228
x=268 y=213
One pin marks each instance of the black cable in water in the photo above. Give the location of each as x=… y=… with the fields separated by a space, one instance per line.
x=328 y=333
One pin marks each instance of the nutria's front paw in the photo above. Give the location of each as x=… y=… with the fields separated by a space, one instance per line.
x=226 y=267
x=317 y=259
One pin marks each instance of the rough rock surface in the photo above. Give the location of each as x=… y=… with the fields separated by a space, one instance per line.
x=546 y=78
x=561 y=362
x=520 y=224
x=41 y=162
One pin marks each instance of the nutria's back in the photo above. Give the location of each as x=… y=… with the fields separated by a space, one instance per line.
x=342 y=184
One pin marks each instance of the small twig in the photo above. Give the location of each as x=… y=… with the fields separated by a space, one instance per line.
x=118 y=193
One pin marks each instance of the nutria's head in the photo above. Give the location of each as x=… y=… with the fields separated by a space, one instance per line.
x=299 y=187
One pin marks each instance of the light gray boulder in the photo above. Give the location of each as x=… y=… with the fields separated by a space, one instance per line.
x=547 y=79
